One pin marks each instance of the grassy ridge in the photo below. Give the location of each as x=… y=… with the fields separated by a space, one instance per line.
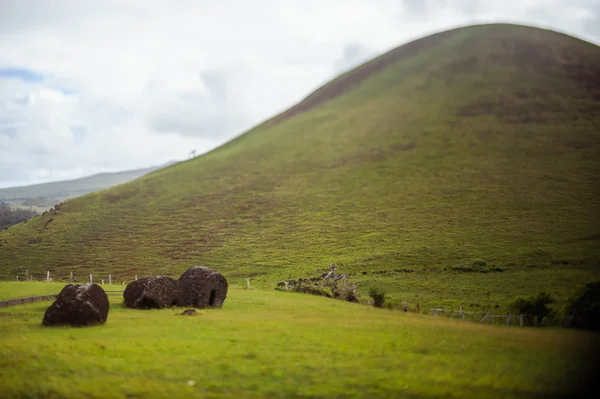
x=270 y=344
x=483 y=145
x=45 y=195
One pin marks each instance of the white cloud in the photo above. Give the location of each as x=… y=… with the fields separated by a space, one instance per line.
x=138 y=83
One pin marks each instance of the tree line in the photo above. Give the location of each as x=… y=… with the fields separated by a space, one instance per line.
x=10 y=216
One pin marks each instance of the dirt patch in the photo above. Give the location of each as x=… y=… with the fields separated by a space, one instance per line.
x=375 y=154
x=513 y=109
x=124 y=193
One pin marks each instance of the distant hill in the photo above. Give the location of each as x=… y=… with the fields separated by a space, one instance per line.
x=458 y=169
x=46 y=195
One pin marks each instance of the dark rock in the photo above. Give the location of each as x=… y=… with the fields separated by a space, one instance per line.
x=202 y=287
x=78 y=305
x=151 y=292
x=188 y=312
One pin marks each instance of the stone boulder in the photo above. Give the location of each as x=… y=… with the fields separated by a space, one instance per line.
x=78 y=305
x=151 y=292
x=202 y=287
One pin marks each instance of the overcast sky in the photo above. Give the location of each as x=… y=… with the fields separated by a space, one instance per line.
x=108 y=85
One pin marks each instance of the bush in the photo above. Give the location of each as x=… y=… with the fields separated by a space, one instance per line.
x=583 y=307
x=533 y=306
x=478 y=264
x=378 y=296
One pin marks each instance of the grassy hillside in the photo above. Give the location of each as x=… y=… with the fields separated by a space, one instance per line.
x=271 y=344
x=476 y=143
x=45 y=195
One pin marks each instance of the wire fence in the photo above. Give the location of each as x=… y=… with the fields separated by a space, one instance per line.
x=38 y=298
x=509 y=319
x=98 y=278
x=29 y=299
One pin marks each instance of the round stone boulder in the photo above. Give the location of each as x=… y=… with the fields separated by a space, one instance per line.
x=78 y=305
x=202 y=287
x=151 y=292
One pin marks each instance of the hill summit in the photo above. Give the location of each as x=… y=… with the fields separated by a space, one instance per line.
x=475 y=143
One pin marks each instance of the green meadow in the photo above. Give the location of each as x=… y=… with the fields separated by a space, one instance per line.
x=268 y=344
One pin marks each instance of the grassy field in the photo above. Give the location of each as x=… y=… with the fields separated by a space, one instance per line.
x=478 y=143
x=14 y=290
x=272 y=344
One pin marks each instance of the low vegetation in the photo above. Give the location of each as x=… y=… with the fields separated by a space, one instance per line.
x=378 y=296
x=583 y=307
x=273 y=344
x=534 y=308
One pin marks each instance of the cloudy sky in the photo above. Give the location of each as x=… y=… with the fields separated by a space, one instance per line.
x=92 y=86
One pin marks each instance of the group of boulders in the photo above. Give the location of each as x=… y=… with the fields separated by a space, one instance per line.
x=87 y=304
x=330 y=284
x=199 y=287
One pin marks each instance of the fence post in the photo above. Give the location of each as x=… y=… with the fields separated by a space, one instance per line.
x=136 y=277
x=248 y=281
x=26 y=275
x=17 y=278
x=71 y=277
x=102 y=281
x=110 y=279
x=435 y=312
x=91 y=279
x=521 y=320
x=48 y=276
x=286 y=285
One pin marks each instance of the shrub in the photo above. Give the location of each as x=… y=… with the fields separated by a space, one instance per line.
x=477 y=265
x=533 y=306
x=378 y=296
x=583 y=307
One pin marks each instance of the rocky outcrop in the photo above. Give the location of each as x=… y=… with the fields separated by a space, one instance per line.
x=78 y=305
x=151 y=292
x=202 y=287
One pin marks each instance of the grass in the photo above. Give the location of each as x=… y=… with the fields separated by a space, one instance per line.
x=14 y=290
x=271 y=344
x=480 y=145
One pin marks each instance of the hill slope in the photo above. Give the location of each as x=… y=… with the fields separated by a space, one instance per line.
x=47 y=194
x=480 y=142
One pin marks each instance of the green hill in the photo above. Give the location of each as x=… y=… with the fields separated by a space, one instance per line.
x=45 y=195
x=476 y=143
